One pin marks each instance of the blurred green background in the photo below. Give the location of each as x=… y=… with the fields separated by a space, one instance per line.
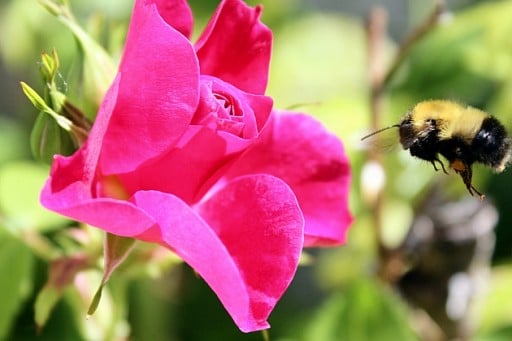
x=446 y=257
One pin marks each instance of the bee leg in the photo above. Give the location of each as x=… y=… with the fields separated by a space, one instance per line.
x=480 y=195
x=433 y=162
x=466 y=173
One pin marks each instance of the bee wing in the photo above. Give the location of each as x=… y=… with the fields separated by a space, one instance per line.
x=383 y=141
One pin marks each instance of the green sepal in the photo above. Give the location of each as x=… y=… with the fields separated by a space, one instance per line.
x=47 y=139
x=49 y=65
x=41 y=105
x=99 y=69
x=115 y=252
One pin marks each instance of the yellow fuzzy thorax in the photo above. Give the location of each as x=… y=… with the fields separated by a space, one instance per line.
x=452 y=119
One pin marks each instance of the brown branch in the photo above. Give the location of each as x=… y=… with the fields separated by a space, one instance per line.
x=391 y=262
x=376 y=30
x=376 y=35
x=416 y=35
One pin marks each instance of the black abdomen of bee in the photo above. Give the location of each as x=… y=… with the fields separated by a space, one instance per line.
x=491 y=144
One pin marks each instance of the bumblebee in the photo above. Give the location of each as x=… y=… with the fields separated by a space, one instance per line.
x=462 y=134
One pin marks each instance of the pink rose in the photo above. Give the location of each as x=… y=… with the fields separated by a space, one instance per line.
x=186 y=152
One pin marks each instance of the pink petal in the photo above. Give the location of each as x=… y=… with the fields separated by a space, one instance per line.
x=253 y=256
x=236 y=46
x=80 y=169
x=188 y=170
x=70 y=188
x=158 y=93
x=69 y=192
x=224 y=107
x=258 y=219
x=119 y=217
x=300 y=151
x=176 y=13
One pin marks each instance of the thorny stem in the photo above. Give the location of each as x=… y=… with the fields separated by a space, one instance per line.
x=391 y=265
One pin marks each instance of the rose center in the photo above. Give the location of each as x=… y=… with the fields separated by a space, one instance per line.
x=226 y=103
x=219 y=110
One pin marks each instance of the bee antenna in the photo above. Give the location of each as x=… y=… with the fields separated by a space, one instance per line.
x=380 y=131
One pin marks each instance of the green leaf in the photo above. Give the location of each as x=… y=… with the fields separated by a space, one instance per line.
x=20 y=185
x=365 y=311
x=62 y=273
x=45 y=302
x=16 y=263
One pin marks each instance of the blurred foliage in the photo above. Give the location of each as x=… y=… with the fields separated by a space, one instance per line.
x=319 y=65
x=365 y=311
